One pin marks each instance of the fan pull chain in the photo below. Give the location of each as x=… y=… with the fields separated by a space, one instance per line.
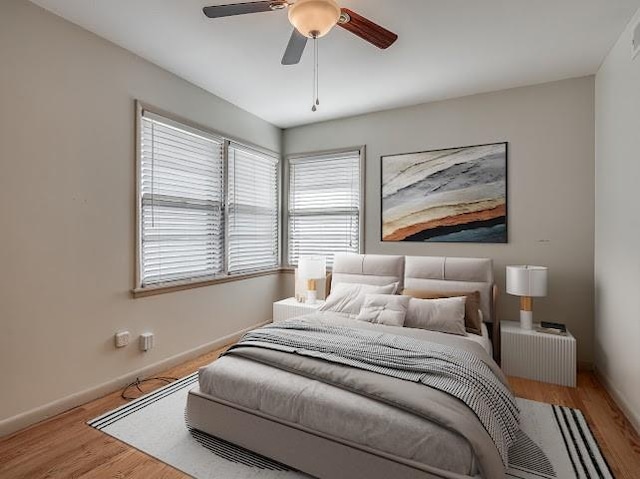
x=316 y=76
x=317 y=73
x=313 y=93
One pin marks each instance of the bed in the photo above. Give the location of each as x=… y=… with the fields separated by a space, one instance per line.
x=332 y=420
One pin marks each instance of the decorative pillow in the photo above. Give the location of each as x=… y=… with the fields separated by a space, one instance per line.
x=472 y=320
x=445 y=315
x=347 y=298
x=388 y=309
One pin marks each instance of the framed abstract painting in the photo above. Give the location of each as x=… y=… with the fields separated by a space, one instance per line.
x=455 y=195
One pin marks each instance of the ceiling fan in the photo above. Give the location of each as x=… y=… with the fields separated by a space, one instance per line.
x=310 y=19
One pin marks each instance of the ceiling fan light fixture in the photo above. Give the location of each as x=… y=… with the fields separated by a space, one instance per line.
x=314 y=18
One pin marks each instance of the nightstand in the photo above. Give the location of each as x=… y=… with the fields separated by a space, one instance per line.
x=290 y=308
x=539 y=356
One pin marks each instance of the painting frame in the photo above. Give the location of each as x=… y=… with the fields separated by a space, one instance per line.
x=504 y=240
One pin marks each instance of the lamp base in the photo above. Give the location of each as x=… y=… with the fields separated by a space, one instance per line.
x=312 y=296
x=526 y=320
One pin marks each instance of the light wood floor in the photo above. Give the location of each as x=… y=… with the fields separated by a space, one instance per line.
x=65 y=447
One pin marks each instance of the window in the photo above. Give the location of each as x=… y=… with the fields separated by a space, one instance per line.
x=207 y=207
x=253 y=210
x=182 y=203
x=324 y=205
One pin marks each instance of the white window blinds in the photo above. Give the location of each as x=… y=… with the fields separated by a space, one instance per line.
x=253 y=210
x=181 y=211
x=324 y=205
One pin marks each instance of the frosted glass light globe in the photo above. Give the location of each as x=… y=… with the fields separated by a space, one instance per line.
x=314 y=18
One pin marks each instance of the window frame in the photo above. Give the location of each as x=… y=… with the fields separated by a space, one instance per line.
x=286 y=187
x=202 y=281
x=227 y=240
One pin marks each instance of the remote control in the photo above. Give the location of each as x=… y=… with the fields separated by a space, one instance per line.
x=558 y=326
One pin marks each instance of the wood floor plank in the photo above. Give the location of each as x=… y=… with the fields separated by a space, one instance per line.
x=132 y=464
x=65 y=447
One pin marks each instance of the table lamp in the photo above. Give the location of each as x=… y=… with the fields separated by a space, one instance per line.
x=311 y=269
x=528 y=282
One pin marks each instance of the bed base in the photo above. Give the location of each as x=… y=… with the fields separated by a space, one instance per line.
x=309 y=451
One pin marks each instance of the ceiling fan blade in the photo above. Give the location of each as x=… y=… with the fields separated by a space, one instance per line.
x=295 y=48
x=367 y=30
x=218 y=11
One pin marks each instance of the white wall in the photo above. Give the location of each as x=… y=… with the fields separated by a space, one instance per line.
x=617 y=246
x=67 y=214
x=550 y=130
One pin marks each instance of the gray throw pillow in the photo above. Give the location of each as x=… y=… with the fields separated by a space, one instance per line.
x=386 y=309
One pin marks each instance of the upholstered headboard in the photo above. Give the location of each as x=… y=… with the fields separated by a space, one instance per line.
x=368 y=269
x=424 y=273
x=453 y=274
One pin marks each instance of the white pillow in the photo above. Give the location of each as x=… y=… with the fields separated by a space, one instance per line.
x=347 y=298
x=445 y=315
x=388 y=309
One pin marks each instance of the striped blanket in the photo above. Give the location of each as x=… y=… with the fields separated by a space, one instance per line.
x=456 y=372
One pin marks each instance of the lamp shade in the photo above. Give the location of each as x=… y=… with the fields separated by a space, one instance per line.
x=314 y=18
x=529 y=281
x=312 y=267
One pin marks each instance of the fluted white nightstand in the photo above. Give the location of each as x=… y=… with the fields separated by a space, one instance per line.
x=290 y=308
x=545 y=357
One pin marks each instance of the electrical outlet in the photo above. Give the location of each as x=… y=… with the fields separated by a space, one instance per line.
x=122 y=339
x=146 y=341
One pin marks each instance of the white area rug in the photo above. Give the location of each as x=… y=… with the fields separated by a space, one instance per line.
x=555 y=441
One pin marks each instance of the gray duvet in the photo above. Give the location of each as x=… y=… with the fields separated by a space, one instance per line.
x=451 y=433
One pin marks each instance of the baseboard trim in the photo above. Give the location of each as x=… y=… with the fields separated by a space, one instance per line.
x=620 y=400
x=46 y=411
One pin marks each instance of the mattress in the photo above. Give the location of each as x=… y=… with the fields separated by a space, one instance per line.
x=298 y=399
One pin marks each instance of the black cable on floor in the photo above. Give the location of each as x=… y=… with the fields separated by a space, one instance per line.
x=139 y=382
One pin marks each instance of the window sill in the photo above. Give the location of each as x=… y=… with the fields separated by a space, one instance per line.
x=186 y=285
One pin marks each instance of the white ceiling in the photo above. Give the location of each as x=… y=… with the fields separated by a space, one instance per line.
x=447 y=48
